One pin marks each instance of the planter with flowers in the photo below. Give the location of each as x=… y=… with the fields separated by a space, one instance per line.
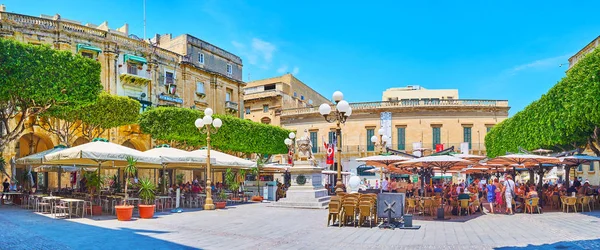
x=125 y=211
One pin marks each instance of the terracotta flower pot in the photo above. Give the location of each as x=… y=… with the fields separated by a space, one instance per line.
x=257 y=198
x=146 y=211
x=96 y=210
x=220 y=204
x=124 y=213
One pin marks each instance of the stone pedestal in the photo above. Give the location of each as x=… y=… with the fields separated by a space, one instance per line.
x=309 y=193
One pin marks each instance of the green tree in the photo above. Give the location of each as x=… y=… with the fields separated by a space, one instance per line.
x=237 y=135
x=109 y=111
x=567 y=117
x=35 y=78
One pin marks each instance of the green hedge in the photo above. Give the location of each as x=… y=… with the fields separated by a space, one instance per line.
x=564 y=118
x=238 y=135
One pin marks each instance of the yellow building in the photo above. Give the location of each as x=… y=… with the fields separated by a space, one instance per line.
x=264 y=99
x=409 y=122
x=194 y=74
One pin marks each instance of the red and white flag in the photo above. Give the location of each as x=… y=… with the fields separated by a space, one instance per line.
x=330 y=152
x=290 y=157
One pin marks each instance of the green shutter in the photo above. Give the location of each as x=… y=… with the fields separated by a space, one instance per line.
x=331 y=135
x=313 y=139
x=467 y=135
x=437 y=138
x=401 y=139
x=370 y=144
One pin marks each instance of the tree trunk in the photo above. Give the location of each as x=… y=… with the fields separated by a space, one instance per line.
x=567 y=173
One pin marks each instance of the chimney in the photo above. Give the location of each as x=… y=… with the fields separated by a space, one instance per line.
x=2 y=7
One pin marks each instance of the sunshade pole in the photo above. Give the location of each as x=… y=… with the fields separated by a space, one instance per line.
x=59 y=175
x=164 y=178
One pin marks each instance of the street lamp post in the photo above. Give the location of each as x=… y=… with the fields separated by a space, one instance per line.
x=340 y=114
x=289 y=142
x=382 y=144
x=209 y=126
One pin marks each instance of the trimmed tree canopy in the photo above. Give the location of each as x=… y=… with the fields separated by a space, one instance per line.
x=34 y=78
x=238 y=135
x=109 y=111
x=568 y=116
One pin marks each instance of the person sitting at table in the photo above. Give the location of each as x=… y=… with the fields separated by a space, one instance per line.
x=393 y=185
x=438 y=189
x=465 y=196
x=584 y=189
x=195 y=189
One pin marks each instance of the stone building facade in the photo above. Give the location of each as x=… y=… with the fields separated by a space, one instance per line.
x=264 y=99
x=154 y=72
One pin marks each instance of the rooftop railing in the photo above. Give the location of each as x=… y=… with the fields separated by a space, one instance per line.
x=48 y=24
x=407 y=104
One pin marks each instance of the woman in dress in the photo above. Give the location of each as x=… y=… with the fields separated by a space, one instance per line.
x=498 y=193
x=491 y=196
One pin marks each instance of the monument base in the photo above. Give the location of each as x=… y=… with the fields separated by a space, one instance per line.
x=306 y=190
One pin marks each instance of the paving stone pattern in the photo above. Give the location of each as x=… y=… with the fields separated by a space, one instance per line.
x=258 y=226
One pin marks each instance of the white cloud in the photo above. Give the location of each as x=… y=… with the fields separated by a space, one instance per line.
x=258 y=52
x=540 y=64
x=283 y=69
x=265 y=49
x=296 y=70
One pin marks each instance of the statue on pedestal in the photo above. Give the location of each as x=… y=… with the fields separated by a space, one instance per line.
x=304 y=146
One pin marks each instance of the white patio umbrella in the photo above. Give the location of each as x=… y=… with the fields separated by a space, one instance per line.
x=99 y=152
x=224 y=160
x=37 y=159
x=175 y=158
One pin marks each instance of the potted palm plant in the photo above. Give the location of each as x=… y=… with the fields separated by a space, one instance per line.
x=221 y=200
x=94 y=181
x=147 y=192
x=256 y=172
x=125 y=211
x=232 y=183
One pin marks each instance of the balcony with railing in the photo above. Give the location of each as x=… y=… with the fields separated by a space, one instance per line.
x=254 y=94
x=231 y=106
x=456 y=103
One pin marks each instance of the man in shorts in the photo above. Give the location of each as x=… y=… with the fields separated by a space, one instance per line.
x=509 y=188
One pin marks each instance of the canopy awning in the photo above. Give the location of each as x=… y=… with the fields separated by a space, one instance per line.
x=225 y=160
x=38 y=158
x=138 y=59
x=88 y=47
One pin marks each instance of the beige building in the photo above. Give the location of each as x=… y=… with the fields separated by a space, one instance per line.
x=184 y=71
x=410 y=122
x=416 y=92
x=264 y=99
x=581 y=53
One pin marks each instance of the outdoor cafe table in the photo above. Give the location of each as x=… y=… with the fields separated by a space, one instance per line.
x=10 y=195
x=70 y=202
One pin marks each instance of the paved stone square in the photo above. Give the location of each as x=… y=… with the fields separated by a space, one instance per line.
x=258 y=226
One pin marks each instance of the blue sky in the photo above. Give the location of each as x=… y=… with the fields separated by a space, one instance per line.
x=503 y=50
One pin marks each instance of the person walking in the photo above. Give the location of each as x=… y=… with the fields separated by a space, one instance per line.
x=491 y=196
x=509 y=190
